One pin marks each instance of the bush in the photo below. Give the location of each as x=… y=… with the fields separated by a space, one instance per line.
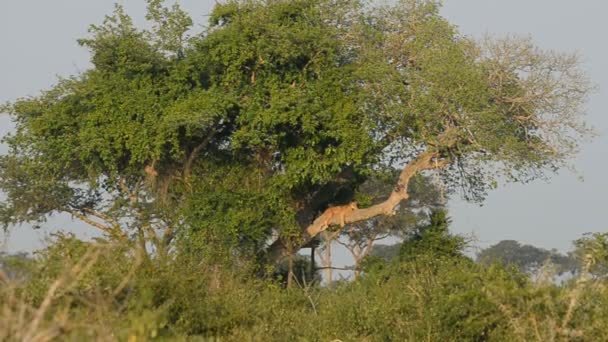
x=100 y=291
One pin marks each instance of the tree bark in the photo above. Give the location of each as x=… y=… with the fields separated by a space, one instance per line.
x=425 y=161
x=111 y=230
x=328 y=271
x=290 y=274
x=325 y=255
x=311 y=269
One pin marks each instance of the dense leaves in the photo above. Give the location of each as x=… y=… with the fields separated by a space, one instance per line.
x=280 y=121
x=444 y=298
x=278 y=110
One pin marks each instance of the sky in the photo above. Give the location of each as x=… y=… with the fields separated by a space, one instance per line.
x=38 y=44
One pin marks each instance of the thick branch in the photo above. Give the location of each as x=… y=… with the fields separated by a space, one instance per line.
x=323 y=195
x=194 y=154
x=425 y=161
x=102 y=217
x=111 y=230
x=133 y=196
x=168 y=235
x=346 y=268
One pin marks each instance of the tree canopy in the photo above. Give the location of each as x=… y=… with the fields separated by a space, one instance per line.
x=278 y=111
x=527 y=258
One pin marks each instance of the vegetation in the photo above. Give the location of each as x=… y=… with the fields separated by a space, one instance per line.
x=525 y=257
x=95 y=290
x=265 y=129
x=209 y=160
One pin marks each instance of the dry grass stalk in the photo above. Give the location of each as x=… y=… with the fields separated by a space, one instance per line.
x=19 y=321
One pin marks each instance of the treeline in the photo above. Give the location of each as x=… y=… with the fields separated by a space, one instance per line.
x=526 y=258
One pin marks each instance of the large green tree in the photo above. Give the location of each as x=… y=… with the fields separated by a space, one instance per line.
x=264 y=125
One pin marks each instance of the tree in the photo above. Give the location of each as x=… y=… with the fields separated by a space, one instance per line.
x=429 y=240
x=258 y=129
x=591 y=251
x=14 y=266
x=525 y=257
x=386 y=252
x=433 y=239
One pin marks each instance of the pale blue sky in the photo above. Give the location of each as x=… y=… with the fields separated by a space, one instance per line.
x=555 y=213
x=38 y=42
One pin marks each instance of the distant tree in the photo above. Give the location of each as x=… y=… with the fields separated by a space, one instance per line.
x=525 y=257
x=15 y=266
x=433 y=239
x=386 y=252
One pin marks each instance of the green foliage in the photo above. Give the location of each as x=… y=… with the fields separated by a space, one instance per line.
x=65 y=251
x=592 y=251
x=253 y=127
x=437 y=299
x=433 y=240
x=192 y=150
x=15 y=266
x=186 y=298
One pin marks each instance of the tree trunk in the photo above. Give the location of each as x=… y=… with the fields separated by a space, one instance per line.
x=141 y=240
x=290 y=271
x=311 y=270
x=325 y=255
x=358 y=256
x=328 y=270
x=215 y=281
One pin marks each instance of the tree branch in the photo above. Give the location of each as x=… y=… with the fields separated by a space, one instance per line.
x=112 y=231
x=425 y=161
x=347 y=268
x=125 y=189
x=168 y=235
x=103 y=217
x=197 y=150
x=133 y=196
